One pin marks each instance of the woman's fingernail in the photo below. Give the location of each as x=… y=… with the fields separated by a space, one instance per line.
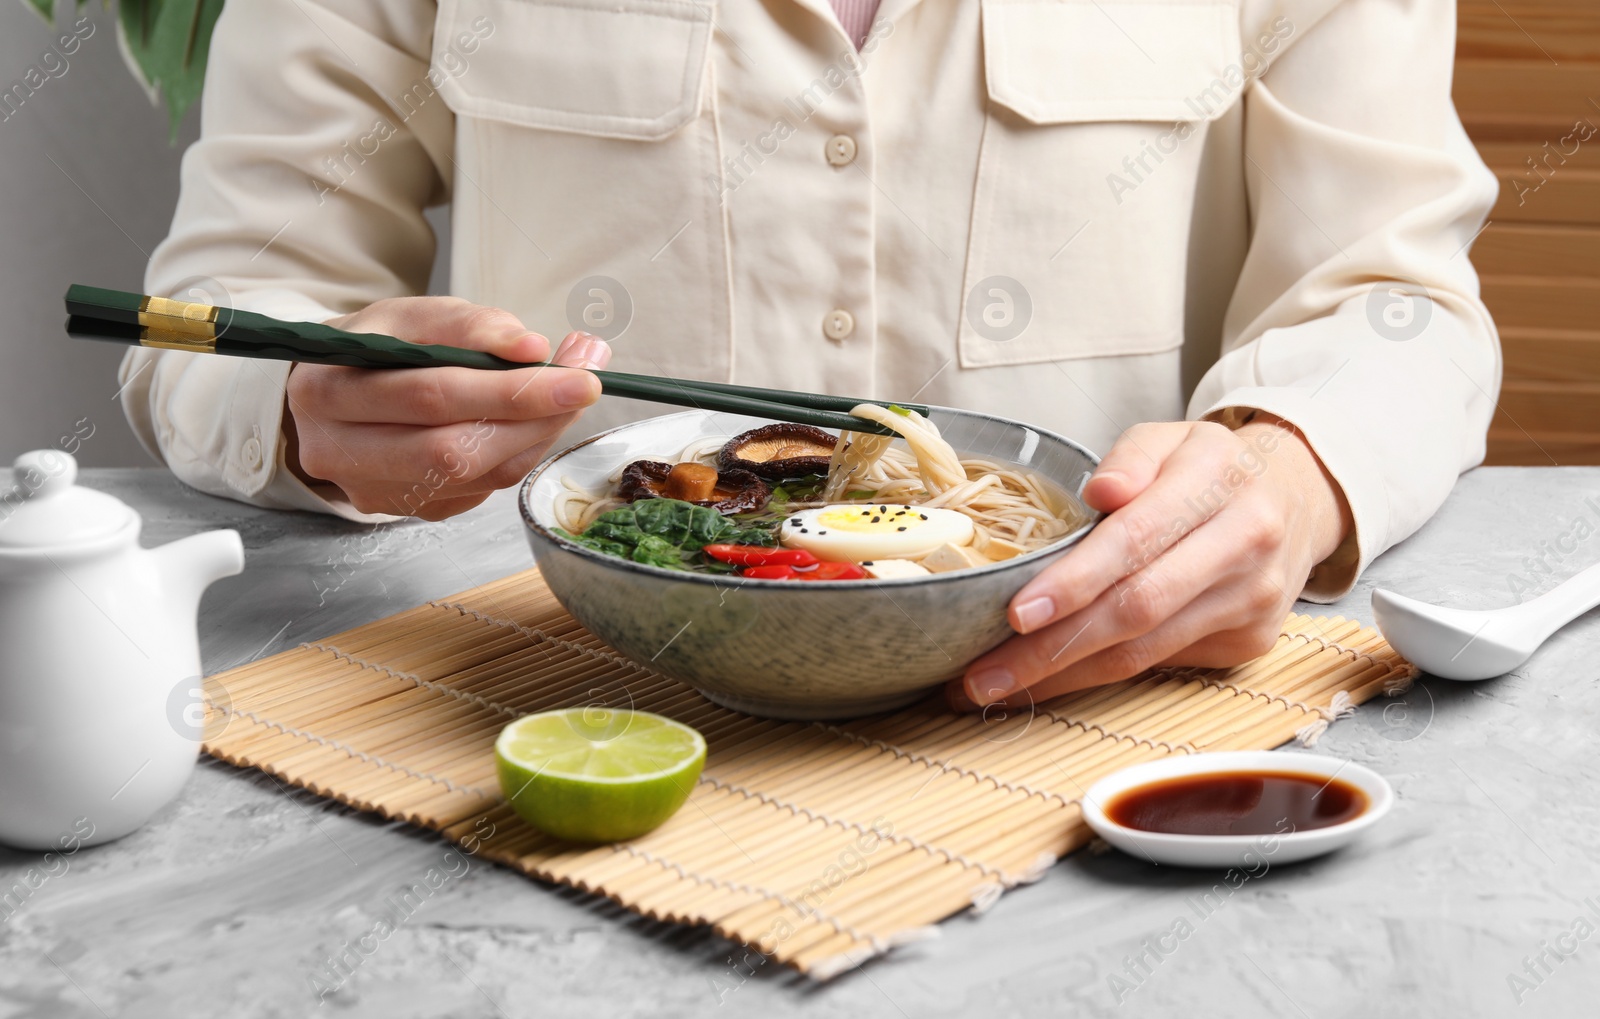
x=584 y=350
x=955 y=696
x=575 y=391
x=598 y=355
x=527 y=347
x=566 y=344
x=1034 y=613
x=992 y=684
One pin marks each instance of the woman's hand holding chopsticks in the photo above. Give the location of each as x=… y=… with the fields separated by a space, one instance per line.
x=434 y=442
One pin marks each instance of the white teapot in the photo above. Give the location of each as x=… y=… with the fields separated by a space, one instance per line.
x=99 y=659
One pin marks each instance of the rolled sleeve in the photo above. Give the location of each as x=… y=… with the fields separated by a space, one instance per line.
x=303 y=199
x=217 y=421
x=1356 y=317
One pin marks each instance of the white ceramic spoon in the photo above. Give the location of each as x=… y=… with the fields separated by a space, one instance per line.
x=1467 y=645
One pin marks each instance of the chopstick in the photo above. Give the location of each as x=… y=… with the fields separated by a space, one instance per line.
x=138 y=320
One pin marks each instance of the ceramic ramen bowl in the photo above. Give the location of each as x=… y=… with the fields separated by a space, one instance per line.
x=782 y=649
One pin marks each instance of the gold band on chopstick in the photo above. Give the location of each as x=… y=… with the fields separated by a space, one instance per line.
x=178 y=325
x=178 y=341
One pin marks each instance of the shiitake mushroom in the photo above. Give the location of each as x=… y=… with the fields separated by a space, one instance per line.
x=727 y=491
x=779 y=452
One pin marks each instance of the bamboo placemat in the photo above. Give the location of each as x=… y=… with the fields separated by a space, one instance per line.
x=819 y=844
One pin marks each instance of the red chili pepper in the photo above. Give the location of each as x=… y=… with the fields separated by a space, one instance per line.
x=834 y=571
x=775 y=571
x=760 y=555
x=821 y=571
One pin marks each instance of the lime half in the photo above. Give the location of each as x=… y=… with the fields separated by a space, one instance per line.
x=597 y=774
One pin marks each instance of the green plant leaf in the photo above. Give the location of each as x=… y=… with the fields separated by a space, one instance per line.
x=136 y=23
x=46 y=9
x=168 y=41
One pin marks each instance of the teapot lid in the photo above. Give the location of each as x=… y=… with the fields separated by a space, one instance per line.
x=44 y=507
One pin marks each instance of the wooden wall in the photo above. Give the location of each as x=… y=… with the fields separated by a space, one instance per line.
x=1528 y=88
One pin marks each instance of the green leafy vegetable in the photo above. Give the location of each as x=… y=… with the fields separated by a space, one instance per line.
x=617 y=532
x=615 y=548
x=654 y=551
x=667 y=533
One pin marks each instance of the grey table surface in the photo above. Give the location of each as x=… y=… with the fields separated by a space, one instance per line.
x=232 y=899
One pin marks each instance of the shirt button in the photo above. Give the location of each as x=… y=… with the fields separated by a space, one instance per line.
x=841 y=149
x=838 y=324
x=251 y=452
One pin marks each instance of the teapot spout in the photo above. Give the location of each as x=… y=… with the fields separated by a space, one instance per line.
x=190 y=565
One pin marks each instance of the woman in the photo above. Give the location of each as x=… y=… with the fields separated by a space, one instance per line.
x=1224 y=240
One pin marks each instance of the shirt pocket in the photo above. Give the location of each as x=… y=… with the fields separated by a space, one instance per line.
x=585 y=134
x=1098 y=113
x=613 y=68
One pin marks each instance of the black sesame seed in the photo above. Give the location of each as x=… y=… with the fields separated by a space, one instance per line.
x=923 y=515
x=883 y=509
x=866 y=562
x=876 y=519
x=899 y=528
x=794 y=520
x=804 y=531
x=822 y=532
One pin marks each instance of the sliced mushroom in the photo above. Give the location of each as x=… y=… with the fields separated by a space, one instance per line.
x=691 y=482
x=724 y=491
x=779 y=452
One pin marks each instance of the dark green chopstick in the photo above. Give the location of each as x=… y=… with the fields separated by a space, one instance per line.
x=97 y=313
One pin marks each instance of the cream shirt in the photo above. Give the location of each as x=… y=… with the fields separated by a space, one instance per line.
x=1080 y=213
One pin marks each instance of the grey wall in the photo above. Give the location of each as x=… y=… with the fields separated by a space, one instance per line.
x=89 y=183
x=87 y=187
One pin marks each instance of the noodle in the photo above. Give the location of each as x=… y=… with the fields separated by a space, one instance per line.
x=704 y=450
x=936 y=463
x=575 y=508
x=1006 y=503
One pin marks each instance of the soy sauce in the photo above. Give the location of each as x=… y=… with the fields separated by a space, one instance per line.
x=1238 y=803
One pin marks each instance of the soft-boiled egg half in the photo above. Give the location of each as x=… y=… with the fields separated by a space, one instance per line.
x=859 y=533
